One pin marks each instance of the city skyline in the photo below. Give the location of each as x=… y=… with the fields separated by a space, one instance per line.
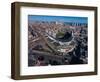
x=57 y=18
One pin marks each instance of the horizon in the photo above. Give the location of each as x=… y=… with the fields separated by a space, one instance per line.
x=48 y=18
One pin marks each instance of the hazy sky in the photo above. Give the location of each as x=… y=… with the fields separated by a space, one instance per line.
x=57 y=18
